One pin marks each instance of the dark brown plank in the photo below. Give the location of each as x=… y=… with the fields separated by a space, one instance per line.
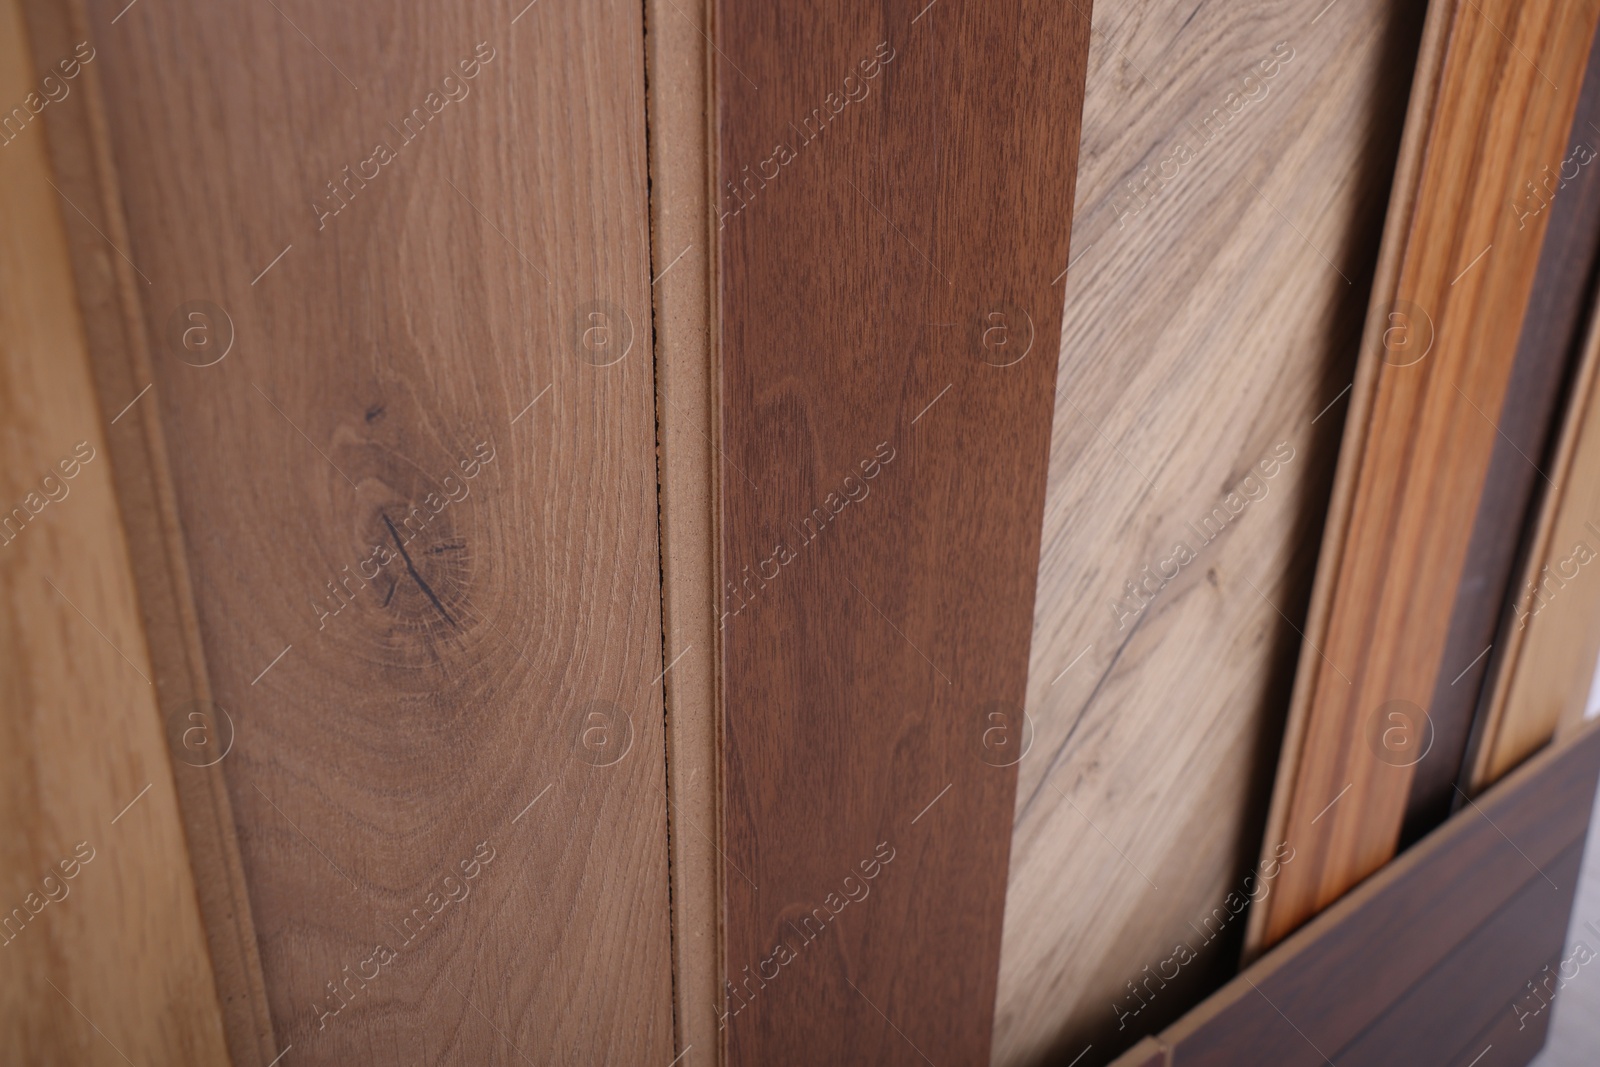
x=1387 y=934
x=1442 y=1014
x=888 y=354
x=1510 y=1039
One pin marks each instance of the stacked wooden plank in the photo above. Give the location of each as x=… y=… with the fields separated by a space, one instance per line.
x=1475 y=310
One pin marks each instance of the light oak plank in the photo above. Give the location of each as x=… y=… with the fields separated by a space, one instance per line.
x=1212 y=311
x=419 y=495
x=1552 y=636
x=104 y=957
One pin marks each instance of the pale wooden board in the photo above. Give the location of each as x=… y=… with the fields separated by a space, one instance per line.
x=113 y=965
x=1552 y=635
x=412 y=331
x=682 y=247
x=1210 y=329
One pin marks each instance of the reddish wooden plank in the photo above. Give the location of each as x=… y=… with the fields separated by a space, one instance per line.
x=896 y=200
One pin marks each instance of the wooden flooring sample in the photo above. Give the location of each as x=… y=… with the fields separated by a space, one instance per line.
x=1427 y=955
x=895 y=204
x=391 y=279
x=1439 y=365
x=1552 y=635
x=1234 y=167
x=102 y=956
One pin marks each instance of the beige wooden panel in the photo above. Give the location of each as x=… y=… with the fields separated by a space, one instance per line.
x=1552 y=637
x=1235 y=164
x=102 y=956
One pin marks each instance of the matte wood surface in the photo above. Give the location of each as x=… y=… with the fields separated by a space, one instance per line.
x=1574 y=1018
x=1438 y=359
x=682 y=243
x=1501 y=957
x=1552 y=635
x=896 y=203
x=419 y=495
x=1212 y=314
x=1439 y=946
x=113 y=322
x=1530 y=416
x=102 y=953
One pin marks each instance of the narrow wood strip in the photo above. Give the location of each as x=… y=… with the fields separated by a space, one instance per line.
x=1503 y=110
x=116 y=329
x=1551 y=637
x=1552 y=341
x=1378 y=941
x=1336 y=533
x=896 y=201
x=683 y=255
x=104 y=952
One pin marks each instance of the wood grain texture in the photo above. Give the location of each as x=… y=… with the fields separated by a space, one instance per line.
x=887 y=351
x=1502 y=871
x=104 y=956
x=683 y=237
x=1440 y=1017
x=1527 y=428
x=1552 y=635
x=419 y=495
x=1375 y=647
x=1574 y=1019
x=113 y=321
x=1212 y=314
